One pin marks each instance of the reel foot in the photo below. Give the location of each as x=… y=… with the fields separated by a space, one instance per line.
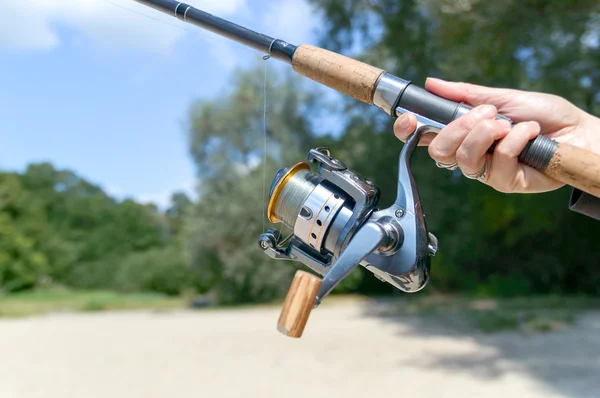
x=298 y=304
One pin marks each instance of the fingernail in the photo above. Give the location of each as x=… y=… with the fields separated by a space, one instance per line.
x=404 y=123
x=485 y=111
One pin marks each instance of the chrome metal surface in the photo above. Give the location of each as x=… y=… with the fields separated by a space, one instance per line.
x=408 y=269
x=322 y=206
x=326 y=161
x=336 y=228
x=408 y=195
x=367 y=239
x=387 y=92
x=364 y=194
x=432 y=248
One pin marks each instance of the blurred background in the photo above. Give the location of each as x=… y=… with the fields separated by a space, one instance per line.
x=132 y=177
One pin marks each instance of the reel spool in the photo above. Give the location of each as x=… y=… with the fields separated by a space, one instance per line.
x=337 y=225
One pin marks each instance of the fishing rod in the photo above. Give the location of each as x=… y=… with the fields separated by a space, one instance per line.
x=334 y=212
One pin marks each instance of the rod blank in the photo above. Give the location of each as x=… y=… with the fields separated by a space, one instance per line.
x=187 y=13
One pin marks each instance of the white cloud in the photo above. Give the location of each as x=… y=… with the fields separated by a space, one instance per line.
x=291 y=20
x=32 y=24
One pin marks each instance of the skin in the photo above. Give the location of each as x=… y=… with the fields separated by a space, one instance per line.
x=467 y=139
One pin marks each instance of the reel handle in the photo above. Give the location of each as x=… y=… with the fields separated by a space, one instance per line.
x=298 y=304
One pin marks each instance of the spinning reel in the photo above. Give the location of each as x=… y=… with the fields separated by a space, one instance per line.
x=337 y=225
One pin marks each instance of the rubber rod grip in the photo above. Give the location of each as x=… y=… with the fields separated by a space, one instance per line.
x=418 y=100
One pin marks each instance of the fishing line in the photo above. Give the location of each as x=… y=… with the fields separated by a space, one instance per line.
x=264 y=205
x=221 y=40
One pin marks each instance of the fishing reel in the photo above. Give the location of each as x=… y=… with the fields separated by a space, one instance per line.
x=337 y=224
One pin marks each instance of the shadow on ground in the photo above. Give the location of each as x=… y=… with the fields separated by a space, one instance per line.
x=566 y=361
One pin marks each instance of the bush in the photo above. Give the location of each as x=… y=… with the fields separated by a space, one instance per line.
x=161 y=270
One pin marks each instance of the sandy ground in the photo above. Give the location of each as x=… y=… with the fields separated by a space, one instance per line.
x=237 y=353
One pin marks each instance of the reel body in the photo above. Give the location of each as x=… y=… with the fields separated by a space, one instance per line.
x=338 y=224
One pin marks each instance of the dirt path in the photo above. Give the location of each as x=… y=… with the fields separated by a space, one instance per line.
x=238 y=353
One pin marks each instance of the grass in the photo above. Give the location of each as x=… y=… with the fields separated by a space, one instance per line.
x=61 y=300
x=529 y=314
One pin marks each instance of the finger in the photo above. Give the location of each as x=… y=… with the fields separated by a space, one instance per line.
x=468 y=93
x=472 y=153
x=405 y=125
x=444 y=146
x=506 y=173
x=551 y=111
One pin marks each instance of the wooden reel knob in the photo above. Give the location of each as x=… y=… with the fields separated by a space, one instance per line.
x=298 y=304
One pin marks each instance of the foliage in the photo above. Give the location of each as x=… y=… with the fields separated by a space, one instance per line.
x=56 y=227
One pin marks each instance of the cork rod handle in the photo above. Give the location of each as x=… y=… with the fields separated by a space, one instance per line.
x=346 y=75
x=298 y=304
x=576 y=167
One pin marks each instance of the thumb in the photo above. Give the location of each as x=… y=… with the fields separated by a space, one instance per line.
x=471 y=94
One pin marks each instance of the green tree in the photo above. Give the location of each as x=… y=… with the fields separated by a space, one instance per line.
x=30 y=251
x=57 y=227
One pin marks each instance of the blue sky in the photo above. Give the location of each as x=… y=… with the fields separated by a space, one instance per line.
x=104 y=91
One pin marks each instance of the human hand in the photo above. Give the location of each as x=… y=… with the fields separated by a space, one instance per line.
x=465 y=141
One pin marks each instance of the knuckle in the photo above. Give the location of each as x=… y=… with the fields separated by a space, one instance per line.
x=463 y=158
x=436 y=152
x=489 y=126
x=502 y=152
x=466 y=122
